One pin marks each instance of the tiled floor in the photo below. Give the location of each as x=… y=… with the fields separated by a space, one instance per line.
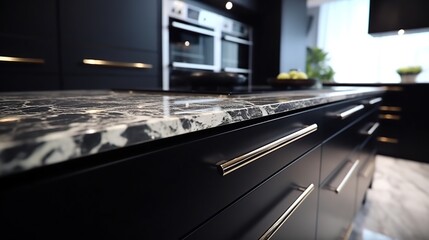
x=397 y=205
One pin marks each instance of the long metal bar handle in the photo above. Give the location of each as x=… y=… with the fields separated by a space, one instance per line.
x=284 y=217
x=21 y=60
x=238 y=162
x=347 y=177
x=375 y=100
x=116 y=64
x=372 y=129
x=350 y=111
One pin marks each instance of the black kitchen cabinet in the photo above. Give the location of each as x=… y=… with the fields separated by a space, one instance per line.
x=229 y=182
x=115 y=39
x=164 y=193
x=403 y=124
x=28 y=45
x=290 y=194
x=386 y=17
x=339 y=170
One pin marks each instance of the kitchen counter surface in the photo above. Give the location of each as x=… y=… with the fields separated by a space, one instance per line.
x=42 y=128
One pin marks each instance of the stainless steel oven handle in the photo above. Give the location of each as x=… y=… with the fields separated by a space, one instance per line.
x=21 y=60
x=238 y=162
x=285 y=216
x=106 y=63
x=236 y=70
x=193 y=66
x=237 y=40
x=192 y=28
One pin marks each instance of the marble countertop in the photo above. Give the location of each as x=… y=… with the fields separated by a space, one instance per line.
x=43 y=128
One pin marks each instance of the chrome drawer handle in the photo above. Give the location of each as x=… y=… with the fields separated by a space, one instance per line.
x=350 y=111
x=375 y=100
x=284 y=217
x=372 y=129
x=346 y=178
x=21 y=60
x=115 y=64
x=238 y=162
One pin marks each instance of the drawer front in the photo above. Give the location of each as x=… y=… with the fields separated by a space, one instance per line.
x=337 y=149
x=164 y=194
x=337 y=201
x=109 y=61
x=28 y=37
x=267 y=210
x=343 y=114
x=110 y=82
x=366 y=170
x=29 y=82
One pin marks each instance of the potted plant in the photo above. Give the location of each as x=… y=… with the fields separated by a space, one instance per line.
x=408 y=74
x=317 y=66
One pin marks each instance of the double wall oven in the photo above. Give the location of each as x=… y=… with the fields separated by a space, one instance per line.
x=199 y=41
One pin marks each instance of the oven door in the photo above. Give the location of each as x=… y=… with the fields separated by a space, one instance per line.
x=236 y=54
x=191 y=47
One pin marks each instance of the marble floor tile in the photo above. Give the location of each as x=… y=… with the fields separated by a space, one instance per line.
x=397 y=205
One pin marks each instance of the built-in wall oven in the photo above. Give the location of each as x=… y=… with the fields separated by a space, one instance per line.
x=196 y=40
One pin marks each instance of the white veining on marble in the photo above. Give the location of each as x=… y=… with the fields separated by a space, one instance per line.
x=397 y=205
x=40 y=128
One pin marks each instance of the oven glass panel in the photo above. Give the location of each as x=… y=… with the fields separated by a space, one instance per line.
x=235 y=55
x=191 y=47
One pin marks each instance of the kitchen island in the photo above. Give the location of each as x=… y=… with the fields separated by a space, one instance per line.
x=128 y=165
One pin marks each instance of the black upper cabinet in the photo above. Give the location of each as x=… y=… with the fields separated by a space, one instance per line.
x=124 y=34
x=28 y=45
x=388 y=16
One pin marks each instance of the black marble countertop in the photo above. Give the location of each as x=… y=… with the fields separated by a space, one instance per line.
x=43 y=128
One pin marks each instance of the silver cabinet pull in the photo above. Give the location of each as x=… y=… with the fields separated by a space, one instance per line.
x=238 y=162
x=350 y=111
x=115 y=64
x=347 y=177
x=284 y=217
x=375 y=100
x=372 y=129
x=21 y=60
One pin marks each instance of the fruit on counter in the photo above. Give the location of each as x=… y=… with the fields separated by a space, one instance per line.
x=283 y=75
x=292 y=74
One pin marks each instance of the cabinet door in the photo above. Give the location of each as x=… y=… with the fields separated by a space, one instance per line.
x=283 y=207
x=28 y=45
x=337 y=202
x=114 y=37
x=166 y=188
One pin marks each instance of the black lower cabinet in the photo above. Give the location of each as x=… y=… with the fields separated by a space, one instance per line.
x=340 y=167
x=283 y=207
x=281 y=178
